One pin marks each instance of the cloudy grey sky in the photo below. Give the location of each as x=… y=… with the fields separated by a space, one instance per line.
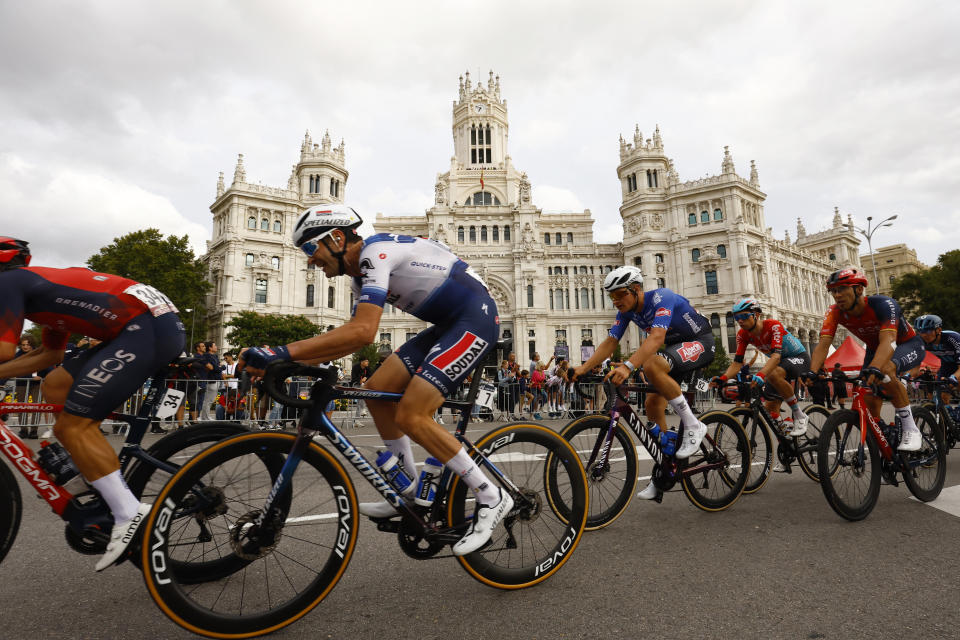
x=118 y=115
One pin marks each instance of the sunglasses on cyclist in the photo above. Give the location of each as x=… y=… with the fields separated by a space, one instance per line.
x=740 y=317
x=310 y=246
x=619 y=294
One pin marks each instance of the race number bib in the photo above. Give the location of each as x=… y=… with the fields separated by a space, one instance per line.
x=702 y=385
x=485 y=395
x=156 y=302
x=172 y=400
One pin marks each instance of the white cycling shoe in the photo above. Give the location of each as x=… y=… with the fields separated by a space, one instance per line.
x=485 y=520
x=799 y=427
x=649 y=493
x=912 y=440
x=121 y=536
x=692 y=437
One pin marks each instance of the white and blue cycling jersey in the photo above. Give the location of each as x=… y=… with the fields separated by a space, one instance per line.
x=421 y=277
x=665 y=309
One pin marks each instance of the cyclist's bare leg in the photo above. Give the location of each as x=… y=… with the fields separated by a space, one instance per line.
x=391 y=376
x=56 y=385
x=655 y=408
x=414 y=417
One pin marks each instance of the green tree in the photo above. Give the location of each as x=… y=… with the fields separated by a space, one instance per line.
x=249 y=329
x=168 y=264
x=371 y=352
x=932 y=290
x=720 y=361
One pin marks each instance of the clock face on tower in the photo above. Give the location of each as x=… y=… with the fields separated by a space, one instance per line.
x=479 y=108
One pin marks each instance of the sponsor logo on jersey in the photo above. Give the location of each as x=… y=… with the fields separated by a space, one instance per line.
x=89 y=306
x=100 y=278
x=662 y=311
x=691 y=321
x=428 y=265
x=461 y=356
x=382 y=256
x=690 y=351
x=657 y=298
x=366 y=264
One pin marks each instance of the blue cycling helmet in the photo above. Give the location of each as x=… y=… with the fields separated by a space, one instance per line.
x=747 y=304
x=928 y=323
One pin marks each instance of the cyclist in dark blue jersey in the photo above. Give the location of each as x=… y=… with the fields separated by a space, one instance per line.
x=670 y=322
x=425 y=279
x=942 y=343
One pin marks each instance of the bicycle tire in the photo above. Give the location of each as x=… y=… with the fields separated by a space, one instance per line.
x=11 y=509
x=761 y=451
x=925 y=481
x=851 y=487
x=311 y=559
x=818 y=416
x=611 y=486
x=715 y=488
x=544 y=534
x=146 y=481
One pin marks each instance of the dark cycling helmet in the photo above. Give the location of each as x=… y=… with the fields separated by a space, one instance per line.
x=13 y=253
x=848 y=277
x=747 y=304
x=928 y=323
x=320 y=220
x=622 y=277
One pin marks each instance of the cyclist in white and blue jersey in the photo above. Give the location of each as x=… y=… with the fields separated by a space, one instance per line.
x=942 y=343
x=670 y=322
x=425 y=279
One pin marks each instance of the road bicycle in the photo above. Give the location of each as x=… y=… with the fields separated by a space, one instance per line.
x=712 y=478
x=286 y=505
x=947 y=417
x=857 y=449
x=759 y=425
x=88 y=518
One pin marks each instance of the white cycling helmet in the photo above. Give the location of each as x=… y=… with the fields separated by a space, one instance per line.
x=317 y=222
x=622 y=277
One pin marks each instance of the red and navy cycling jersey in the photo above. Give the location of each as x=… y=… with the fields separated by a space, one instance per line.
x=880 y=314
x=665 y=309
x=74 y=300
x=773 y=338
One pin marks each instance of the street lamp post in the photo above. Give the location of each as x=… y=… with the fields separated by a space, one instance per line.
x=868 y=234
x=193 y=322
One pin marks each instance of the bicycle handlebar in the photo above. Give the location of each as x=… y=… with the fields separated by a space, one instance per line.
x=276 y=372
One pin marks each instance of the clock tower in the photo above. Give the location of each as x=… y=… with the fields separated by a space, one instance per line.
x=480 y=124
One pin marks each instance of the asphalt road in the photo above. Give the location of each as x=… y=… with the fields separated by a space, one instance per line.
x=778 y=564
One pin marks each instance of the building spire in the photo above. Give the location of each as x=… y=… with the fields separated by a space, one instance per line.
x=837 y=220
x=220 y=186
x=239 y=173
x=657 y=140
x=754 y=177
x=727 y=165
x=801 y=231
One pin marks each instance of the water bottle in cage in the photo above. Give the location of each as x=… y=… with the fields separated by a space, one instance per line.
x=394 y=473
x=427 y=486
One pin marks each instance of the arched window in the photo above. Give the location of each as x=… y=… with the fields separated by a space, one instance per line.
x=251 y=223
x=558 y=299
x=264 y=224
x=715 y=320
x=275 y=262
x=260 y=292
x=583 y=269
x=460 y=235
x=496 y=234
x=309 y=295
x=711 y=281
x=549 y=271
x=249 y=259
x=480 y=149
x=717 y=214
x=584 y=298
x=529 y=294
x=483 y=233
x=546 y=238
x=722 y=250
x=330 y=296
x=661 y=283
x=704 y=216
x=482 y=199
x=569 y=238
x=559 y=239
x=506 y=234
x=473 y=234
x=833 y=257
x=695 y=254
x=277 y=226
x=692 y=219
x=658 y=258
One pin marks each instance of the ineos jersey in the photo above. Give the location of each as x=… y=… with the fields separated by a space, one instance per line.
x=774 y=338
x=666 y=309
x=74 y=300
x=422 y=277
x=881 y=313
x=948 y=348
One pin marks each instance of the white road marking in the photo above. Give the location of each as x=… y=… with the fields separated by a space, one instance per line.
x=948 y=501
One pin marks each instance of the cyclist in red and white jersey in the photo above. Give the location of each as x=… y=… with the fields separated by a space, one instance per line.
x=140 y=333
x=893 y=347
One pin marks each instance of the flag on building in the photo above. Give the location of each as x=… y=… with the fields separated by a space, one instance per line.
x=481 y=179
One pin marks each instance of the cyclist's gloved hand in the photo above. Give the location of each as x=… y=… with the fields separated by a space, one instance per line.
x=718 y=380
x=808 y=376
x=871 y=375
x=257 y=358
x=757 y=379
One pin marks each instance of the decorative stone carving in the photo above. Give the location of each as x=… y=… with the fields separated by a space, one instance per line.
x=216 y=264
x=656 y=221
x=634 y=224
x=440 y=192
x=661 y=269
x=524 y=189
x=220 y=186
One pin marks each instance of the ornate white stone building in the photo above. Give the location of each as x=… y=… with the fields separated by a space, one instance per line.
x=705 y=238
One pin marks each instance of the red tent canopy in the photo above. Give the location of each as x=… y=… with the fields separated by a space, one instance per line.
x=849 y=355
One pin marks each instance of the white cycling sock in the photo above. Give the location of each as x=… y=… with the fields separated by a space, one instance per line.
x=906 y=419
x=117 y=495
x=402 y=448
x=679 y=404
x=464 y=466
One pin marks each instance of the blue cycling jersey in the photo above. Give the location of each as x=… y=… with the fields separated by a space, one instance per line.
x=947 y=348
x=665 y=309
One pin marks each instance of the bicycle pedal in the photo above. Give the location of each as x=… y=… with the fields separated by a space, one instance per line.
x=388 y=525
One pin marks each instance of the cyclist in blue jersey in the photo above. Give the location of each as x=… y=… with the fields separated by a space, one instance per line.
x=425 y=279
x=670 y=322
x=941 y=343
